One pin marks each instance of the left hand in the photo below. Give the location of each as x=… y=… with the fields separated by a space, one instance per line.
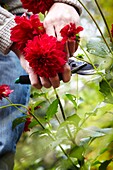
x=59 y=15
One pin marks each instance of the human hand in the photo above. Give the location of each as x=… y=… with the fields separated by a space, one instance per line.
x=59 y=15
x=37 y=81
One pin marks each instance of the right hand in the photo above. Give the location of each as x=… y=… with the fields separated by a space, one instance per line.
x=37 y=81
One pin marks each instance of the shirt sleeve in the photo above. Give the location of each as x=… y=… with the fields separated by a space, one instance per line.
x=73 y=3
x=6 y=23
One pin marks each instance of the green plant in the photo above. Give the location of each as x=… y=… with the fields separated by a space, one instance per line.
x=72 y=127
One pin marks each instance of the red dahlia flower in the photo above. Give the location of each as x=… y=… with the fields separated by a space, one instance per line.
x=70 y=31
x=112 y=30
x=45 y=55
x=25 y=30
x=37 y=6
x=4 y=91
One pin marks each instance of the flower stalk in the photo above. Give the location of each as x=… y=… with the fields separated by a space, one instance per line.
x=96 y=26
x=104 y=19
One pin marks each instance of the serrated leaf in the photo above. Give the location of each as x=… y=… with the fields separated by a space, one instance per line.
x=72 y=98
x=97 y=47
x=18 y=120
x=52 y=109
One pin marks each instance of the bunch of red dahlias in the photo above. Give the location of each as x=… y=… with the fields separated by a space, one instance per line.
x=44 y=53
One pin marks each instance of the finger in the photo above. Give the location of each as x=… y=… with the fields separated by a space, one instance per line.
x=49 y=28
x=45 y=82
x=35 y=82
x=66 y=75
x=50 y=31
x=66 y=49
x=55 y=82
x=72 y=47
x=58 y=29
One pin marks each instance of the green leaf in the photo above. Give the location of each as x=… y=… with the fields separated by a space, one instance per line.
x=84 y=141
x=105 y=130
x=33 y=123
x=36 y=94
x=72 y=98
x=89 y=134
x=77 y=152
x=40 y=132
x=104 y=165
x=18 y=120
x=75 y=119
x=97 y=47
x=104 y=88
x=106 y=91
x=94 y=132
x=38 y=103
x=80 y=56
x=52 y=109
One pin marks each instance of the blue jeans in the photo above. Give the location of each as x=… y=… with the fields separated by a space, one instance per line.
x=10 y=69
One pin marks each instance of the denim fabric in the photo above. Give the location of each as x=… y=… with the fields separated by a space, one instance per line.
x=10 y=69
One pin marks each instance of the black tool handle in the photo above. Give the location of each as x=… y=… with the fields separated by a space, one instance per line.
x=75 y=68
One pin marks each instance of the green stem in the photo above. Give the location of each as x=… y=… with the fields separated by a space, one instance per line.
x=50 y=103
x=63 y=115
x=104 y=20
x=16 y=106
x=68 y=157
x=60 y=104
x=9 y=105
x=96 y=25
x=50 y=135
x=76 y=168
x=33 y=115
x=88 y=57
x=77 y=91
x=96 y=67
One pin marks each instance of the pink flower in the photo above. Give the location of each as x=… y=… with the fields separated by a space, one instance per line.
x=45 y=55
x=4 y=91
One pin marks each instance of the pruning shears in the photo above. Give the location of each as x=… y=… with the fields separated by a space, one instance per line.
x=81 y=67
